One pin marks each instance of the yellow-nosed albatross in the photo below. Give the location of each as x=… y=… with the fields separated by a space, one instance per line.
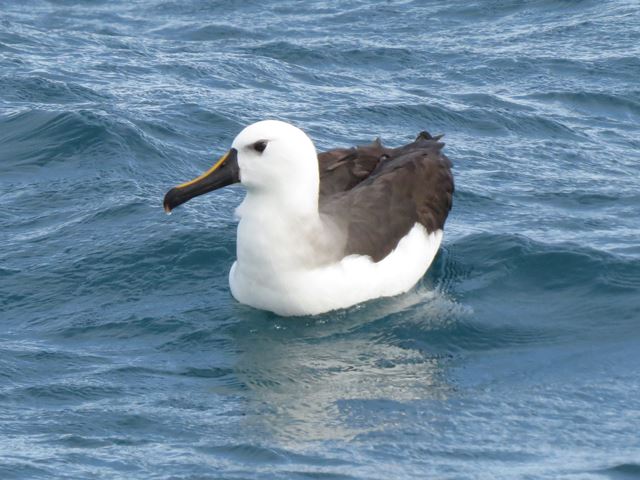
x=323 y=232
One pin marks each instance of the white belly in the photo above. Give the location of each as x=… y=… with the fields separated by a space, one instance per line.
x=354 y=279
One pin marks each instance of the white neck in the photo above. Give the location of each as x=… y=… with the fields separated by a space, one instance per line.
x=277 y=233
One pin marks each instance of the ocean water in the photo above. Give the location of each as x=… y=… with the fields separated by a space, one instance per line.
x=122 y=353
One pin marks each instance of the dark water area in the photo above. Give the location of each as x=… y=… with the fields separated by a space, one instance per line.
x=122 y=352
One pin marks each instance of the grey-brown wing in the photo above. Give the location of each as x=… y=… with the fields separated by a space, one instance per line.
x=342 y=169
x=413 y=185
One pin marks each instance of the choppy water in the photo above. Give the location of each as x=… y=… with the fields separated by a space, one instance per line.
x=122 y=354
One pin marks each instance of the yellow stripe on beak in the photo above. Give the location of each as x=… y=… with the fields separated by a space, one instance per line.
x=207 y=173
x=224 y=172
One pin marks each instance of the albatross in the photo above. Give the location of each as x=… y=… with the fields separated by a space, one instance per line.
x=320 y=232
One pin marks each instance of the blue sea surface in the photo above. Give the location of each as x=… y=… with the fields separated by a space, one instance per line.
x=122 y=352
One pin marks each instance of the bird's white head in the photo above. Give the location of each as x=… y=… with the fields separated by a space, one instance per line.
x=276 y=158
x=275 y=161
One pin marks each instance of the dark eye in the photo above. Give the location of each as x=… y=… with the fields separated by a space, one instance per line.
x=260 y=145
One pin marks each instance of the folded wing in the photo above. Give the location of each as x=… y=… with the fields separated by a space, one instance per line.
x=377 y=194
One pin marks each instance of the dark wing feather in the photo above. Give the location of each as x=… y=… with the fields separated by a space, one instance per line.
x=343 y=168
x=403 y=186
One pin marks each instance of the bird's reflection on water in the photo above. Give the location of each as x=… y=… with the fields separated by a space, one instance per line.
x=318 y=378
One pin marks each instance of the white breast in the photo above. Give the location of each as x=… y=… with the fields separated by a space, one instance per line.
x=354 y=279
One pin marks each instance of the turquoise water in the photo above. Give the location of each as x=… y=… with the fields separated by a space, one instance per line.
x=122 y=353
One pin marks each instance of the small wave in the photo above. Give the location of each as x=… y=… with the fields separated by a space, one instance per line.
x=188 y=121
x=194 y=256
x=32 y=89
x=78 y=441
x=287 y=52
x=484 y=100
x=558 y=288
x=210 y=372
x=479 y=121
x=131 y=327
x=439 y=327
x=13 y=38
x=248 y=453
x=196 y=32
x=475 y=198
x=595 y=103
x=63 y=393
x=563 y=264
x=26 y=469
x=191 y=10
x=624 y=471
x=363 y=15
x=576 y=199
x=39 y=137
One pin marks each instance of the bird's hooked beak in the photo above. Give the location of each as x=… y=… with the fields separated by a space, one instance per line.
x=224 y=172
